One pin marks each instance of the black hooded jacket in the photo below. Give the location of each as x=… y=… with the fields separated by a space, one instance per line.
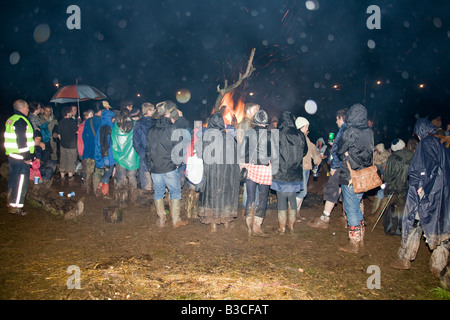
x=291 y=147
x=357 y=140
x=159 y=146
x=429 y=170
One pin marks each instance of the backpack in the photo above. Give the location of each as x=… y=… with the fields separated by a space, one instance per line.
x=46 y=135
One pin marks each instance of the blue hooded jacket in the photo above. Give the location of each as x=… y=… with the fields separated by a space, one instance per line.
x=105 y=160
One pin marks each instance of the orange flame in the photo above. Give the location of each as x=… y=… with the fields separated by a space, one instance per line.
x=232 y=108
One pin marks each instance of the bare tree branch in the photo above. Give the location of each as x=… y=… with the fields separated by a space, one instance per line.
x=226 y=89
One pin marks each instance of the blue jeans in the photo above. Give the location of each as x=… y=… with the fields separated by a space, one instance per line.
x=302 y=194
x=144 y=174
x=352 y=207
x=171 y=180
x=257 y=191
x=107 y=174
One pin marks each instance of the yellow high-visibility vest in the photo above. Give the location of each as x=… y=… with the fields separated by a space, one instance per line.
x=11 y=146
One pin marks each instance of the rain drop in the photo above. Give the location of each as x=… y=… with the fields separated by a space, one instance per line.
x=14 y=58
x=437 y=22
x=304 y=48
x=311 y=106
x=371 y=44
x=290 y=40
x=41 y=33
x=330 y=37
x=122 y=24
x=405 y=75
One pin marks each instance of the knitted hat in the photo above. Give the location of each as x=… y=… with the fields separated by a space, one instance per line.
x=380 y=147
x=300 y=122
x=397 y=144
x=261 y=118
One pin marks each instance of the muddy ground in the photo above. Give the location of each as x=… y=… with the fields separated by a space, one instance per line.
x=135 y=260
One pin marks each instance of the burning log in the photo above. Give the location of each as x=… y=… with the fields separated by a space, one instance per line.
x=227 y=89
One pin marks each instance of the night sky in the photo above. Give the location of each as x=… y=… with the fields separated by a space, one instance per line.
x=155 y=48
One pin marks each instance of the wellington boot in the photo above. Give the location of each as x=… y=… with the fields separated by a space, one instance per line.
x=249 y=219
x=300 y=218
x=88 y=184
x=98 y=191
x=175 y=210
x=257 y=231
x=282 y=219
x=105 y=191
x=159 y=205
x=354 y=234
x=322 y=222
x=292 y=216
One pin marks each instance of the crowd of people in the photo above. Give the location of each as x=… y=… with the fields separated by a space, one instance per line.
x=135 y=148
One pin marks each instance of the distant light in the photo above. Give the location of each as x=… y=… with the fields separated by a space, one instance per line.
x=251 y=93
x=335 y=86
x=138 y=95
x=421 y=86
x=311 y=106
x=378 y=82
x=57 y=85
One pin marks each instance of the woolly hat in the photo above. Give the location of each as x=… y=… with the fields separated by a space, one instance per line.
x=261 y=118
x=300 y=122
x=397 y=144
x=380 y=147
x=135 y=112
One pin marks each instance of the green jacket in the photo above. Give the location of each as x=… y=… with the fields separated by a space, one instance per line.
x=123 y=150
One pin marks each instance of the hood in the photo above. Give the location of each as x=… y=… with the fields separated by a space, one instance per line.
x=423 y=127
x=286 y=120
x=107 y=118
x=216 y=122
x=357 y=116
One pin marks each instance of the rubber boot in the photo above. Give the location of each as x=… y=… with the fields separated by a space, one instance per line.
x=354 y=234
x=175 y=210
x=159 y=205
x=98 y=191
x=299 y=206
x=105 y=191
x=257 y=231
x=292 y=216
x=88 y=183
x=249 y=219
x=282 y=219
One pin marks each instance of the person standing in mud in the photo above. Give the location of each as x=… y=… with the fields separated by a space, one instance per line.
x=332 y=190
x=256 y=151
x=427 y=207
x=127 y=159
x=354 y=149
x=219 y=194
x=288 y=178
x=19 y=147
x=312 y=155
x=160 y=162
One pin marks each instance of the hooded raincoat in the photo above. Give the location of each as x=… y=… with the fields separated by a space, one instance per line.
x=103 y=146
x=288 y=177
x=218 y=199
x=430 y=170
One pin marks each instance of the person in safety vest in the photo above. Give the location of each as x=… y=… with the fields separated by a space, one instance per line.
x=19 y=147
